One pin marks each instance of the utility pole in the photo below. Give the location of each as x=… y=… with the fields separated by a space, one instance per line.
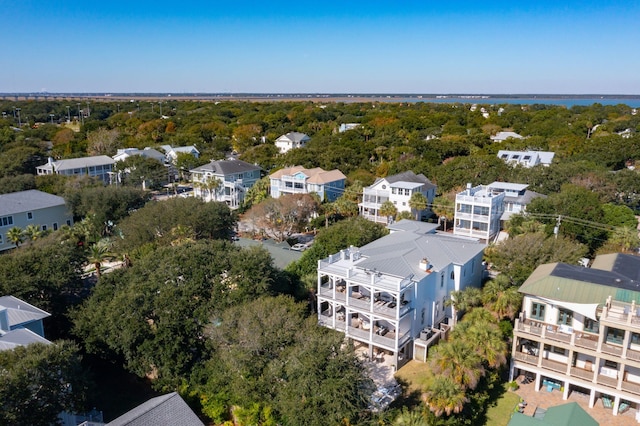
x=19 y=121
x=51 y=115
x=556 y=229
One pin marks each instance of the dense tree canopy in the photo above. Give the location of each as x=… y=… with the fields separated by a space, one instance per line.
x=39 y=381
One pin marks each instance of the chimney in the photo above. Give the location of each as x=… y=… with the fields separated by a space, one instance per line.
x=50 y=160
x=425 y=265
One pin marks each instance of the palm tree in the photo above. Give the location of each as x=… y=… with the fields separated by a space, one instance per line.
x=99 y=253
x=444 y=396
x=33 y=232
x=388 y=209
x=481 y=330
x=182 y=234
x=212 y=185
x=459 y=361
x=502 y=298
x=16 y=235
x=410 y=418
x=329 y=209
x=443 y=207
x=464 y=301
x=418 y=202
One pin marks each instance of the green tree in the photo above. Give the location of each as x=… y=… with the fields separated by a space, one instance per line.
x=418 y=202
x=257 y=193
x=99 y=253
x=444 y=395
x=481 y=330
x=443 y=207
x=16 y=235
x=501 y=297
x=153 y=223
x=518 y=257
x=39 y=381
x=155 y=312
x=388 y=209
x=33 y=232
x=459 y=361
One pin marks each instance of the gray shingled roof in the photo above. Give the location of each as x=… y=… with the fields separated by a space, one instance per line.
x=295 y=136
x=399 y=254
x=24 y=201
x=169 y=409
x=409 y=176
x=20 y=312
x=226 y=167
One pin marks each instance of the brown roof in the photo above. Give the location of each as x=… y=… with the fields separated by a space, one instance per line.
x=315 y=175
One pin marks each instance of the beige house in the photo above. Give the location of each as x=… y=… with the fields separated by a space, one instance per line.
x=329 y=185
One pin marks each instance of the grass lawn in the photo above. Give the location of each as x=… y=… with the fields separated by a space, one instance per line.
x=500 y=413
x=414 y=375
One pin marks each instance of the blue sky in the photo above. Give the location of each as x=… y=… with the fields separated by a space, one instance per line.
x=501 y=47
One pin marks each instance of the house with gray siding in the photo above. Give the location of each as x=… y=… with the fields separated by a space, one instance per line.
x=20 y=323
x=32 y=207
x=99 y=166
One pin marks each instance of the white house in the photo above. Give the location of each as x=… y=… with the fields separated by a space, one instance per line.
x=172 y=152
x=99 y=166
x=503 y=136
x=397 y=189
x=291 y=140
x=20 y=323
x=390 y=294
x=526 y=158
x=329 y=185
x=234 y=178
x=125 y=153
x=477 y=212
x=32 y=207
x=348 y=126
x=579 y=331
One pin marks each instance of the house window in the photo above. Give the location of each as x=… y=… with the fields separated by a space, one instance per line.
x=610 y=364
x=557 y=350
x=565 y=317
x=393 y=191
x=537 y=311
x=44 y=227
x=441 y=280
x=453 y=276
x=55 y=226
x=68 y=222
x=407 y=192
x=635 y=338
x=614 y=335
x=6 y=221
x=30 y=215
x=443 y=300
x=591 y=326
x=404 y=203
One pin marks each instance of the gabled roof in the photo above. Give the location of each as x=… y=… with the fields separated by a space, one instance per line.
x=226 y=167
x=316 y=175
x=20 y=312
x=501 y=136
x=410 y=176
x=24 y=201
x=186 y=149
x=577 y=284
x=570 y=414
x=399 y=253
x=77 y=163
x=169 y=409
x=20 y=337
x=294 y=137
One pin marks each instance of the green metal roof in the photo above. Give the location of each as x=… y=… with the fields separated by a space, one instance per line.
x=576 y=284
x=570 y=414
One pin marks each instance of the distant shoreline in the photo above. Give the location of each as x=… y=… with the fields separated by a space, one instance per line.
x=555 y=99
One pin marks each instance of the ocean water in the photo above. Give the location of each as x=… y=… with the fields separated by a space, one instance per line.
x=567 y=102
